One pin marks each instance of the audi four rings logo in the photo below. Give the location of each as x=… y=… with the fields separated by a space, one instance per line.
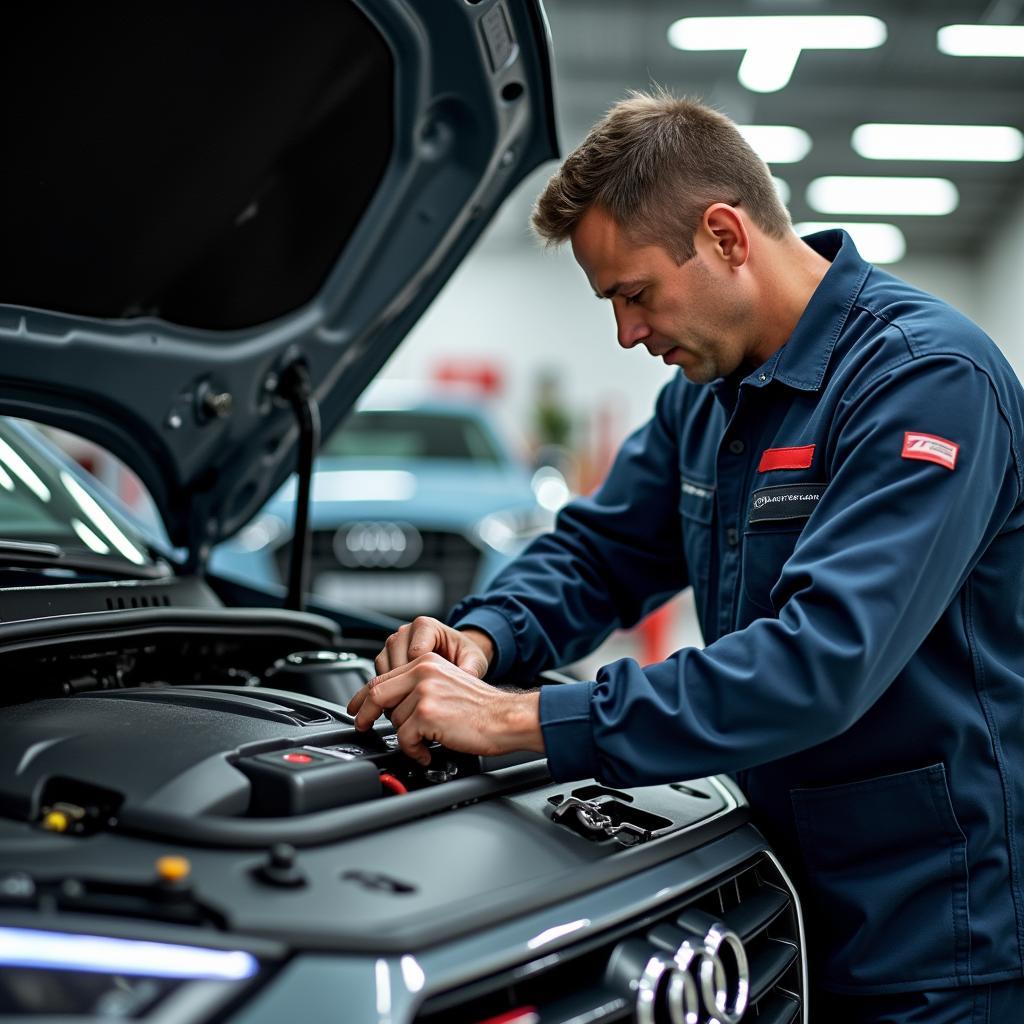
x=377 y=545
x=700 y=981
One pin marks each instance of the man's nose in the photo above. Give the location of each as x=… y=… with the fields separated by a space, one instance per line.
x=631 y=327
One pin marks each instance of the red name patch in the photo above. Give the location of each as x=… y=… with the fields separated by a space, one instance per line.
x=786 y=458
x=929 y=448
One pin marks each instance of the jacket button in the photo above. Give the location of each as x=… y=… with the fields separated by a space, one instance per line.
x=732 y=536
x=736 y=447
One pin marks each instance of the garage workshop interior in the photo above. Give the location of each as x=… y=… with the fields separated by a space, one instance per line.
x=387 y=638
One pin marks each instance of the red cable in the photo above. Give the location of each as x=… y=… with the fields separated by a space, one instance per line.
x=389 y=782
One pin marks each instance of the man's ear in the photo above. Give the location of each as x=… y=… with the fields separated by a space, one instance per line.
x=724 y=228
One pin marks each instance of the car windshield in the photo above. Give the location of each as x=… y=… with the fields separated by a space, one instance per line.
x=400 y=434
x=42 y=501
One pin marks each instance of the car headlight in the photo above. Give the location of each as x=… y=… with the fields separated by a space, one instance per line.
x=509 y=532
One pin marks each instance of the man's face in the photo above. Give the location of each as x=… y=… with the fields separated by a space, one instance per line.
x=690 y=315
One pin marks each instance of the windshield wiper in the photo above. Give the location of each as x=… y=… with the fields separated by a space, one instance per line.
x=20 y=554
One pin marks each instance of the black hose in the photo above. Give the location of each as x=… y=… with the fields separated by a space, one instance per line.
x=295 y=386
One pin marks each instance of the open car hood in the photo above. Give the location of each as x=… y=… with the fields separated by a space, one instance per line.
x=197 y=197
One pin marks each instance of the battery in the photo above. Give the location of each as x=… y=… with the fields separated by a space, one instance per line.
x=299 y=780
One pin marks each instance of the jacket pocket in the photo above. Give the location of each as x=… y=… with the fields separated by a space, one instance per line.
x=765 y=551
x=887 y=866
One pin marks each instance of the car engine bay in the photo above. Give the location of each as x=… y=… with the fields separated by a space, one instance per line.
x=179 y=772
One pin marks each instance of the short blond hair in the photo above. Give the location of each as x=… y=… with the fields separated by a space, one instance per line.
x=656 y=162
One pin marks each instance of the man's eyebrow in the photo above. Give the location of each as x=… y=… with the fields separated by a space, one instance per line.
x=619 y=286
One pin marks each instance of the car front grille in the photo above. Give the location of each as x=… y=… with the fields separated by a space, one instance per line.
x=633 y=974
x=446 y=557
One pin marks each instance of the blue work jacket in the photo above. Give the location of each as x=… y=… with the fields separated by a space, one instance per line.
x=850 y=518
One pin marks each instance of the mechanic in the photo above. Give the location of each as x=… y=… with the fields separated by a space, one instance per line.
x=837 y=472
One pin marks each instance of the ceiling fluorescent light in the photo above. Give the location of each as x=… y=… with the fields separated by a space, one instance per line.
x=773 y=44
x=768 y=70
x=777 y=143
x=891 y=196
x=877 y=243
x=783 y=189
x=982 y=142
x=982 y=40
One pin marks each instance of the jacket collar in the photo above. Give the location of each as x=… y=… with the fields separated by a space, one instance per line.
x=802 y=361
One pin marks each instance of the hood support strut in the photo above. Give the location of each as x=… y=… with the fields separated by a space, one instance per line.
x=295 y=387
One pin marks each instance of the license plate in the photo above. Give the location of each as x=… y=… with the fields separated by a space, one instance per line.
x=392 y=593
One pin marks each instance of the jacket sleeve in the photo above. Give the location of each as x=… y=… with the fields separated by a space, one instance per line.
x=884 y=553
x=611 y=558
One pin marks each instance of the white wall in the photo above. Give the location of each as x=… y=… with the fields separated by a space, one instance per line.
x=1001 y=287
x=955 y=280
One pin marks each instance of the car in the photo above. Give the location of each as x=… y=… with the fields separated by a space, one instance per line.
x=417 y=500
x=220 y=221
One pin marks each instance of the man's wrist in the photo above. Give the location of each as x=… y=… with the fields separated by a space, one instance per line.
x=521 y=722
x=482 y=640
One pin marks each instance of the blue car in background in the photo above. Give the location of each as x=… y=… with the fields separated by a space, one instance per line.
x=415 y=502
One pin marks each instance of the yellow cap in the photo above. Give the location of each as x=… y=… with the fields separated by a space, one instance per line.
x=173 y=869
x=56 y=821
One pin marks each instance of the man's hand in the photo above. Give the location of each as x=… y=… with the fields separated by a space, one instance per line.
x=469 y=649
x=431 y=699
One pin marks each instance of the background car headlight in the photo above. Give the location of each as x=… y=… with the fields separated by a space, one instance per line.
x=260 y=533
x=550 y=487
x=509 y=532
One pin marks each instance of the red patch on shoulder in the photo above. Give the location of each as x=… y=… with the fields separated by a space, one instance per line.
x=786 y=458
x=929 y=448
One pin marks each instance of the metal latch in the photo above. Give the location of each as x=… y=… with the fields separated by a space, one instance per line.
x=589 y=814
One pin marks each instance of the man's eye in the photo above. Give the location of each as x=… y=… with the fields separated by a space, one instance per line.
x=632 y=300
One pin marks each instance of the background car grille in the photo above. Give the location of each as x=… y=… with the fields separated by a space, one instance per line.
x=448 y=556
x=577 y=986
